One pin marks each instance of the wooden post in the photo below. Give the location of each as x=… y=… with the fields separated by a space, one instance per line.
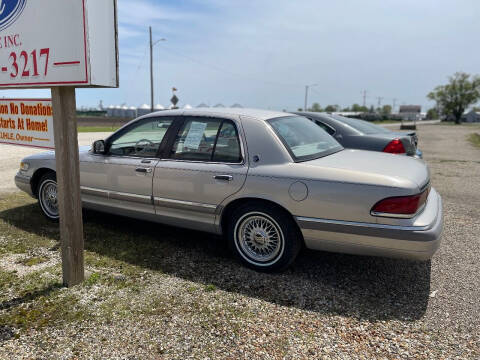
x=68 y=182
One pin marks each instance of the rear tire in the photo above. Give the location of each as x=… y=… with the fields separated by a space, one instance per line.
x=263 y=237
x=47 y=196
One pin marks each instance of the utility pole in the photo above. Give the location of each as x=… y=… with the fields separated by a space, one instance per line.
x=306 y=95
x=152 y=44
x=364 y=97
x=394 y=103
x=379 y=101
x=151 y=70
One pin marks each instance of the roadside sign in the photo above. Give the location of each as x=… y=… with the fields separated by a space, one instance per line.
x=58 y=43
x=27 y=122
x=174 y=100
x=62 y=45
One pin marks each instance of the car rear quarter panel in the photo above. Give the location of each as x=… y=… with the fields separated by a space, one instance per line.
x=326 y=199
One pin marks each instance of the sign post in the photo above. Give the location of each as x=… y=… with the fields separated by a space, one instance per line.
x=61 y=44
x=68 y=184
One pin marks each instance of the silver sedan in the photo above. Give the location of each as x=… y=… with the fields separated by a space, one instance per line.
x=270 y=182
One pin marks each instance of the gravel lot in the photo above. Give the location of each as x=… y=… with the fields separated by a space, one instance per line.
x=179 y=294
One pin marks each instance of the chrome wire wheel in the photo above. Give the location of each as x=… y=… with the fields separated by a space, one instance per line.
x=48 y=198
x=259 y=239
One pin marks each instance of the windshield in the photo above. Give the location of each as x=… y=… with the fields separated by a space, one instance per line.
x=304 y=139
x=363 y=126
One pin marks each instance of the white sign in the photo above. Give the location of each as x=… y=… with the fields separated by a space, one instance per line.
x=194 y=136
x=58 y=42
x=27 y=122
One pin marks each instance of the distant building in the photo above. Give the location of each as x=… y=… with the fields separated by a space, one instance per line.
x=410 y=112
x=348 y=113
x=159 y=107
x=471 y=117
x=143 y=110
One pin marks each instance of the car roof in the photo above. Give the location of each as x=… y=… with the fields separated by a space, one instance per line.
x=253 y=113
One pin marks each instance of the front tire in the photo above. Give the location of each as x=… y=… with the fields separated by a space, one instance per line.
x=263 y=237
x=48 y=196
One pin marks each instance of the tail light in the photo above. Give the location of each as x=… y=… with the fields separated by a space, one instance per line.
x=400 y=206
x=395 y=147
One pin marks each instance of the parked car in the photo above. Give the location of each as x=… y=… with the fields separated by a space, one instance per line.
x=271 y=182
x=360 y=134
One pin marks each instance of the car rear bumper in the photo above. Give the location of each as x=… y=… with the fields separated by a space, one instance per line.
x=23 y=183
x=417 y=242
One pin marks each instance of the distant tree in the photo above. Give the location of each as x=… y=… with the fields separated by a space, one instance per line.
x=432 y=114
x=358 y=108
x=386 y=110
x=462 y=91
x=316 y=107
x=300 y=109
x=331 y=108
x=347 y=109
x=372 y=109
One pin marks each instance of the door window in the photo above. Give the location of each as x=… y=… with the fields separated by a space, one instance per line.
x=143 y=139
x=202 y=139
x=227 y=148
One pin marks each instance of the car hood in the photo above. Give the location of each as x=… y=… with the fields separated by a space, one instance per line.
x=50 y=155
x=366 y=167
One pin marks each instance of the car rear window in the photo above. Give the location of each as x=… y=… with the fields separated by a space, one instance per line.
x=304 y=139
x=361 y=125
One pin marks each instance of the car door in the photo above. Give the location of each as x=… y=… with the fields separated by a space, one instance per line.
x=204 y=163
x=122 y=178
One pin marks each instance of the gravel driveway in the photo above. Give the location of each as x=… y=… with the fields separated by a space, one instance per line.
x=191 y=300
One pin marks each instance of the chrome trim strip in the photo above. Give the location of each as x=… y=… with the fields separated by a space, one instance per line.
x=185 y=205
x=362 y=224
x=143 y=199
x=94 y=192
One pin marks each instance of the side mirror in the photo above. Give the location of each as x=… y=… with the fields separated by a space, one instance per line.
x=98 y=147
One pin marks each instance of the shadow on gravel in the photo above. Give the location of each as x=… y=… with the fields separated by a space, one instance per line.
x=363 y=287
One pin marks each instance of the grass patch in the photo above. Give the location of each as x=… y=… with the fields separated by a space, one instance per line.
x=84 y=129
x=210 y=287
x=34 y=261
x=47 y=310
x=474 y=139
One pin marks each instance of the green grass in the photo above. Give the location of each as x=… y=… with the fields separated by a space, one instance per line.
x=474 y=139
x=35 y=260
x=83 y=129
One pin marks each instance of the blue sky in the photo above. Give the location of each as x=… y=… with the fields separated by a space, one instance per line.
x=262 y=53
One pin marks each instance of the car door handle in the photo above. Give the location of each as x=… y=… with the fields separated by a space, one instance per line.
x=144 y=170
x=223 y=177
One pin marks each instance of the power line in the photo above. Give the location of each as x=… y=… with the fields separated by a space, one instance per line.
x=228 y=72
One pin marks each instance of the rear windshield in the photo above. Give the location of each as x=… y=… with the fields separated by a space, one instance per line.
x=363 y=126
x=304 y=139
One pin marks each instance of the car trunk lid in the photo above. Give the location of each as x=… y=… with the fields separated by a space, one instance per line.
x=375 y=168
